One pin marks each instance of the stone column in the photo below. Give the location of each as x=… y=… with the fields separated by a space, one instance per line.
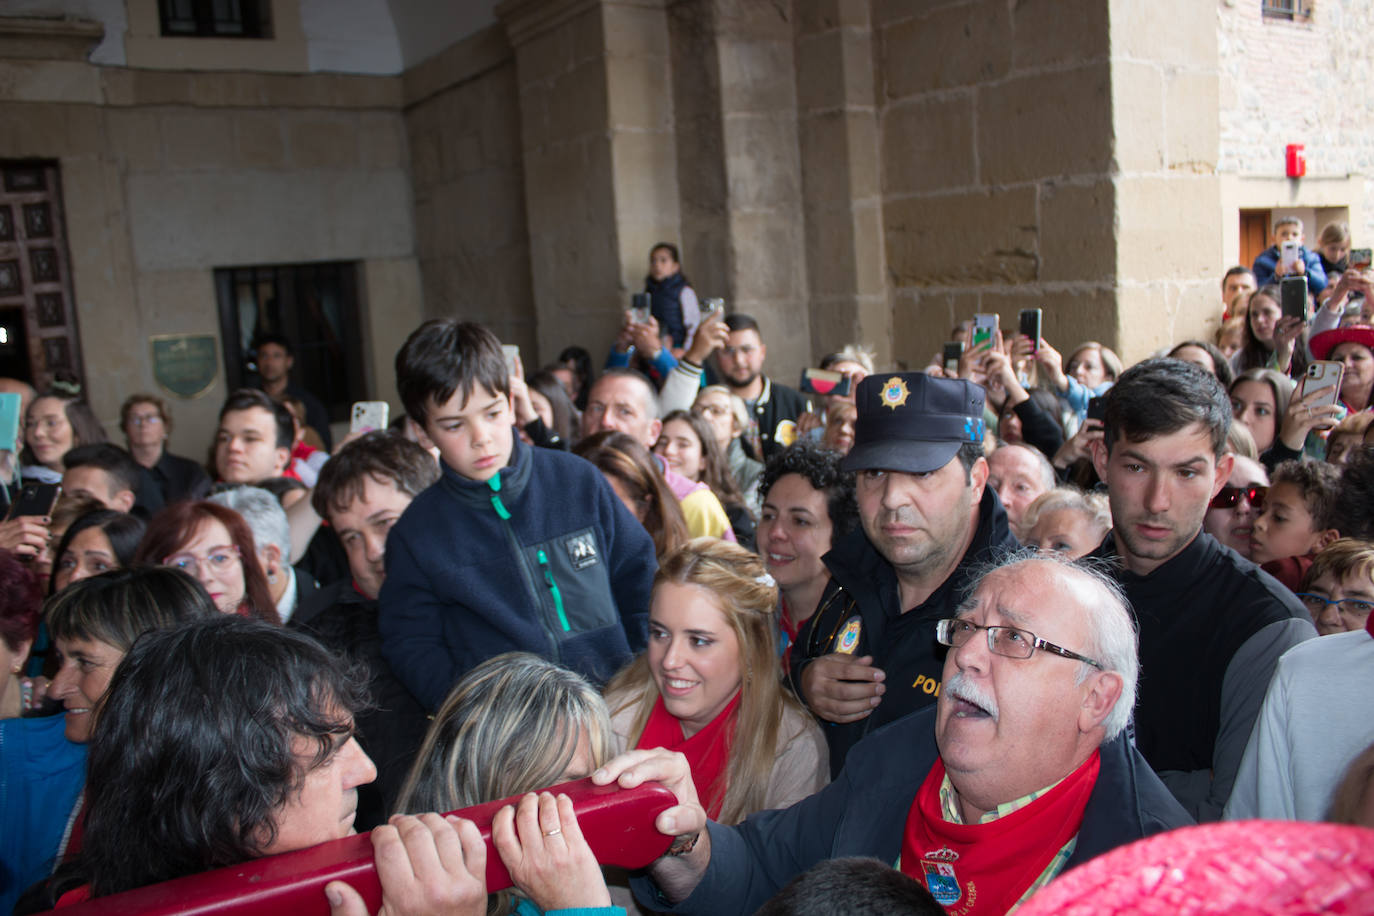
x=841 y=195
x=600 y=174
x=1165 y=119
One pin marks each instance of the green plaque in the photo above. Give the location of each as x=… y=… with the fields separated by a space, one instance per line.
x=185 y=364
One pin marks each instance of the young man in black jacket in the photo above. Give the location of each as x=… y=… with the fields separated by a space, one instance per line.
x=1212 y=624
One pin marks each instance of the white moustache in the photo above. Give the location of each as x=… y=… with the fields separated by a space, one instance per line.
x=960 y=687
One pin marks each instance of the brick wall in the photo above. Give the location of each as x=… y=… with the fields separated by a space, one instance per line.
x=1310 y=83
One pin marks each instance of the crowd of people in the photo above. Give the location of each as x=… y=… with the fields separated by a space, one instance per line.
x=919 y=641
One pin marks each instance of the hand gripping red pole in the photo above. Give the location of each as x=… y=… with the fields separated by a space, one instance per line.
x=617 y=823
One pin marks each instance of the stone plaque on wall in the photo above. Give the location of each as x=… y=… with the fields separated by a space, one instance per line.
x=185 y=364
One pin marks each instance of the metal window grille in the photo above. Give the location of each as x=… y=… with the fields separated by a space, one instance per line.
x=215 y=18
x=316 y=306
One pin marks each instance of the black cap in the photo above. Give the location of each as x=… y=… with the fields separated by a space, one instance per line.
x=913 y=422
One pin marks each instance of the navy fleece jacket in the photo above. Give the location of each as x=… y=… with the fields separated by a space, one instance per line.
x=551 y=563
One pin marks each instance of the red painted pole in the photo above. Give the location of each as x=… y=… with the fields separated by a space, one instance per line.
x=618 y=824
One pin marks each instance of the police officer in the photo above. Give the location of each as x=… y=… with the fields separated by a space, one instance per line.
x=869 y=655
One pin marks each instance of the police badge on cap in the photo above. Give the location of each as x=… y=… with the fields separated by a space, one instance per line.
x=909 y=421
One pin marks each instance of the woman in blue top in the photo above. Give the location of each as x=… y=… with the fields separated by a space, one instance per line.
x=93 y=623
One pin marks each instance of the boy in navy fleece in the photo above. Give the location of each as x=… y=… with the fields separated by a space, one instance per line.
x=515 y=548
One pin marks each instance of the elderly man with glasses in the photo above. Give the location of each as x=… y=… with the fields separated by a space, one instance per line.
x=1020 y=771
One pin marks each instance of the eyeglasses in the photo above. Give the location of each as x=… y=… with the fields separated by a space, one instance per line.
x=151 y=419
x=1353 y=608
x=1229 y=496
x=1005 y=641
x=218 y=560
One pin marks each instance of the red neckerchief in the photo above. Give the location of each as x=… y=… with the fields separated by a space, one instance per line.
x=707 y=752
x=986 y=868
x=1369 y=625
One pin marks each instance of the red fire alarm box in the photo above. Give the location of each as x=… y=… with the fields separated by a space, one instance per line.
x=1295 y=160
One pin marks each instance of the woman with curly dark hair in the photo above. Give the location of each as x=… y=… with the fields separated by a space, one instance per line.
x=808 y=504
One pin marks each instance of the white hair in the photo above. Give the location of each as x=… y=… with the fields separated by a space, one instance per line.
x=264 y=515
x=1112 y=639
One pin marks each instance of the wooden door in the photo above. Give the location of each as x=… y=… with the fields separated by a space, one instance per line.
x=1254 y=234
x=35 y=271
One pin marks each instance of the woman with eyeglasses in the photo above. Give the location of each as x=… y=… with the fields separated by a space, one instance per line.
x=147 y=423
x=1231 y=514
x=213 y=544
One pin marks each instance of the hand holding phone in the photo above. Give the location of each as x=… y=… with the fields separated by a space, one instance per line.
x=984 y=330
x=1288 y=254
x=640 y=308
x=1030 y=327
x=368 y=415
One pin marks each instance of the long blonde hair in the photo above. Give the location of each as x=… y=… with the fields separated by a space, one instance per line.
x=748 y=597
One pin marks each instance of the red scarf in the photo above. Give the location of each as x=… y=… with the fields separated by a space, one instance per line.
x=707 y=752
x=986 y=868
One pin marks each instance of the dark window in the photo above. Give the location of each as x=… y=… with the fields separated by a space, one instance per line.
x=316 y=307
x=215 y=18
x=1289 y=10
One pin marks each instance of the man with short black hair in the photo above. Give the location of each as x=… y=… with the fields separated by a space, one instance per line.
x=773 y=407
x=110 y=476
x=276 y=357
x=1237 y=281
x=868 y=654
x=1212 y=624
x=254 y=438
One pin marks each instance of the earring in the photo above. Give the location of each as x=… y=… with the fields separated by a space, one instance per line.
x=272 y=578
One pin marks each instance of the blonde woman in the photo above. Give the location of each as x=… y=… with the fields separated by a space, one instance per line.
x=709 y=686
x=514 y=724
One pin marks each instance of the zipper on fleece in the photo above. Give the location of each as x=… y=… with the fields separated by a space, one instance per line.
x=521 y=561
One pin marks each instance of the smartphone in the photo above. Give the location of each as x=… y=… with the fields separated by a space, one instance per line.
x=1030 y=327
x=9 y=421
x=1289 y=253
x=35 y=499
x=1293 y=296
x=713 y=308
x=1097 y=409
x=512 y=354
x=1323 y=374
x=1359 y=259
x=954 y=349
x=823 y=382
x=639 y=307
x=984 y=329
x=368 y=415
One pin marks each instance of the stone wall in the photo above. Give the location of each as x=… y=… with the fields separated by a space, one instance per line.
x=996 y=145
x=463 y=122
x=167 y=176
x=1168 y=254
x=1299 y=82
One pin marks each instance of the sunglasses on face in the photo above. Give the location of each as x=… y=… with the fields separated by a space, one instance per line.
x=1230 y=496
